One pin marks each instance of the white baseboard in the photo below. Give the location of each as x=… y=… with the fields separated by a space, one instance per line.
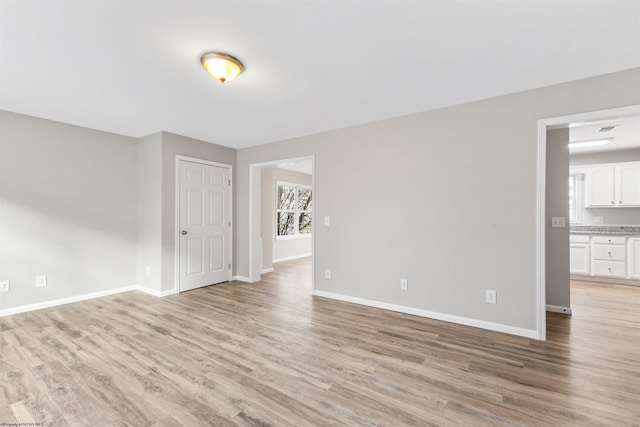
x=528 y=333
x=167 y=293
x=558 y=309
x=78 y=298
x=155 y=292
x=63 y=301
x=266 y=270
x=290 y=258
x=241 y=279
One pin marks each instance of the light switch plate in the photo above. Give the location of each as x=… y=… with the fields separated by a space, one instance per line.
x=41 y=281
x=490 y=296
x=558 y=222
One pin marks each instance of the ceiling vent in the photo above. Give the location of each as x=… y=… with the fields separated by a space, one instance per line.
x=608 y=128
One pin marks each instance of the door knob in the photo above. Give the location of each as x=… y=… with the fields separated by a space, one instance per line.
x=184 y=232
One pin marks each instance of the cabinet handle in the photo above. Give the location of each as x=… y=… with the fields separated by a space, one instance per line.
x=612 y=202
x=609 y=252
x=620 y=202
x=609 y=268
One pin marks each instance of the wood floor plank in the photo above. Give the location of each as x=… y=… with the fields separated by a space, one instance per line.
x=270 y=354
x=71 y=400
x=38 y=409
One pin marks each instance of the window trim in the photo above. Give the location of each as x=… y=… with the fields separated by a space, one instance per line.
x=296 y=213
x=578 y=195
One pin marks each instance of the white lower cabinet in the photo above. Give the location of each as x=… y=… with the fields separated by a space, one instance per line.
x=634 y=258
x=609 y=268
x=607 y=256
x=579 y=259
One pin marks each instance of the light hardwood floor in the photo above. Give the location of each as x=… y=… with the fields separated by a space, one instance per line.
x=270 y=354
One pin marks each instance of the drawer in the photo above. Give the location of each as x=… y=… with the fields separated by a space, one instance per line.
x=610 y=252
x=609 y=268
x=579 y=238
x=611 y=240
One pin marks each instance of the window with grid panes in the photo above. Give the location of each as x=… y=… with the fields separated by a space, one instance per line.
x=294 y=204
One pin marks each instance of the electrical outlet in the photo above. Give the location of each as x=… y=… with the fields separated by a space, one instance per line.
x=598 y=220
x=404 y=284
x=327 y=221
x=327 y=273
x=41 y=281
x=147 y=270
x=490 y=296
x=4 y=286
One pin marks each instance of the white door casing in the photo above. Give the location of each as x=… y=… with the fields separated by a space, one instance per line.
x=204 y=225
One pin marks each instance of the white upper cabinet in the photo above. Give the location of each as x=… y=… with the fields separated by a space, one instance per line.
x=600 y=187
x=628 y=185
x=613 y=185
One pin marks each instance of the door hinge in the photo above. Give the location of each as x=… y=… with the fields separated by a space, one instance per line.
x=229 y=182
x=229 y=223
x=229 y=266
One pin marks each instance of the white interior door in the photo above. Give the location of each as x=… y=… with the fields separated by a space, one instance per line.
x=204 y=225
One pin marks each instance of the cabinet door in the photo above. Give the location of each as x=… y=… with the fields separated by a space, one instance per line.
x=600 y=187
x=628 y=185
x=634 y=258
x=579 y=258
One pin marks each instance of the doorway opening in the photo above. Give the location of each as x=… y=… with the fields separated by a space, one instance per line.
x=553 y=222
x=282 y=220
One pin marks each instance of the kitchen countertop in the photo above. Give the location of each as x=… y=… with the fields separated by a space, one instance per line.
x=609 y=230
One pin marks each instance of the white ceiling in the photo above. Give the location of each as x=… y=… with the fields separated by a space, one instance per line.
x=625 y=135
x=132 y=67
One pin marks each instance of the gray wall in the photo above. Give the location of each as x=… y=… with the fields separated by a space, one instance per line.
x=557 y=204
x=445 y=198
x=67 y=210
x=89 y=209
x=149 y=170
x=273 y=249
x=173 y=145
x=615 y=216
x=266 y=217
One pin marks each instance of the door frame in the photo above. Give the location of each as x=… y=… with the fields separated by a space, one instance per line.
x=255 y=260
x=544 y=125
x=180 y=158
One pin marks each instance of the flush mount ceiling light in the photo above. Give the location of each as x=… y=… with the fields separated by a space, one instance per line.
x=592 y=143
x=221 y=66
